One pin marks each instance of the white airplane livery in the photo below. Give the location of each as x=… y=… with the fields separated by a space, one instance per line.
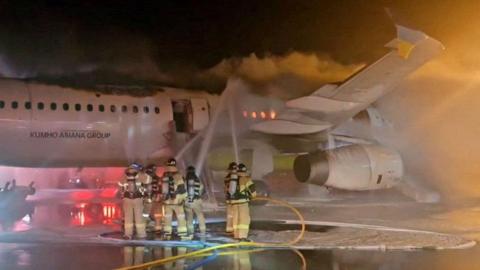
x=52 y=126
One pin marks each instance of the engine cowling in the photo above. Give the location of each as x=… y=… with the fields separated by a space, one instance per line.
x=353 y=167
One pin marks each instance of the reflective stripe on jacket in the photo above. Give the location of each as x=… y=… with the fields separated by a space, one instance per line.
x=176 y=192
x=132 y=188
x=245 y=190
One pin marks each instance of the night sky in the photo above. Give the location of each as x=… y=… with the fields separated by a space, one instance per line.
x=169 y=41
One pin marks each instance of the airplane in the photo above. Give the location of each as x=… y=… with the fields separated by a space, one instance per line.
x=50 y=126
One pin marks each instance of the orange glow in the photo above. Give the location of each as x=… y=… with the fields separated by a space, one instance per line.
x=273 y=114
x=245 y=114
x=254 y=115
x=263 y=115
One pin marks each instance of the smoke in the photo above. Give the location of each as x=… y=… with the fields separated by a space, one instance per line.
x=296 y=71
x=287 y=76
x=436 y=114
x=309 y=67
x=110 y=61
x=186 y=45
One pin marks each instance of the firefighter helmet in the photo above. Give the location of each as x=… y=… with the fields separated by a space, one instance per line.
x=232 y=166
x=135 y=166
x=172 y=162
x=151 y=168
x=131 y=171
x=242 y=167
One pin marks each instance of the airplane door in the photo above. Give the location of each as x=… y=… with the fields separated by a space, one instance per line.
x=190 y=115
x=200 y=111
x=182 y=115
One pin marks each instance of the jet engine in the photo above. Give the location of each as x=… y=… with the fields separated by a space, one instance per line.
x=352 y=167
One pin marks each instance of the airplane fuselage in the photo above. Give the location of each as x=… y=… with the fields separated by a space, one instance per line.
x=51 y=126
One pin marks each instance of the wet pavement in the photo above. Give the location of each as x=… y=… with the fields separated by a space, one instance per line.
x=21 y=256
x=77 y=216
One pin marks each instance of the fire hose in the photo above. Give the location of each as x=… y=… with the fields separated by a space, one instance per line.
x=208 y=250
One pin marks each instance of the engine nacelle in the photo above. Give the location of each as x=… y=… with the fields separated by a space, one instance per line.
x=353 y=167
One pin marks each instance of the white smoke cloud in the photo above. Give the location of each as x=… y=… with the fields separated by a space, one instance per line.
x=8 y=71
x=310 y=67
x=294 y=74
x=436 y=116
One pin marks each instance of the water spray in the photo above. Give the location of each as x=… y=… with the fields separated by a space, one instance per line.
x=189 y=145
x=233 y=128
x=211 y=127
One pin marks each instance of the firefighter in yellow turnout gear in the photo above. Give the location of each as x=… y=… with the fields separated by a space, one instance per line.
x=174 y=192
x=232 y=174
x=132 y=196
x=241 y=192
x=153 y=199
x=193 y=204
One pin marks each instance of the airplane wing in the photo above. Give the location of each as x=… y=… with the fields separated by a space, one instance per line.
x=331 y=104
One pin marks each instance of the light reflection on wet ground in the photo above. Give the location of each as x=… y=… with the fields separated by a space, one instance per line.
x=16 y=257
x=104 y=215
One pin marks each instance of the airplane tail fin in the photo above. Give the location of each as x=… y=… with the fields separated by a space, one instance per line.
x=407 y=39
x=411 y=49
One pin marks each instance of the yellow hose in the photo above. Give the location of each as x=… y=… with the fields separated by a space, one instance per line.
x=202 y=252
x=299 y=215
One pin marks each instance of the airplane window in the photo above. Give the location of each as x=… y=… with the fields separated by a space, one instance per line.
x=157 y=110
x=135 y=109
x=89 y=107
x=113 y=108
x=40 y=106
x=2 y=104
x=28 y=105
x=14 y=104
x=146 y=109
x=53 y=106
x=78 y=107
x=65 y=106
x=124 y=109
x=101 y=108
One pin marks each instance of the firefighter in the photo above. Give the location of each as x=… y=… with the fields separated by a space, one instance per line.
x=153 y=201
x=174 y=192
x=232 y=174
x=132 y=194
x=144 y=179
x=147 y=199
x=241 y=191
x=193 y=204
